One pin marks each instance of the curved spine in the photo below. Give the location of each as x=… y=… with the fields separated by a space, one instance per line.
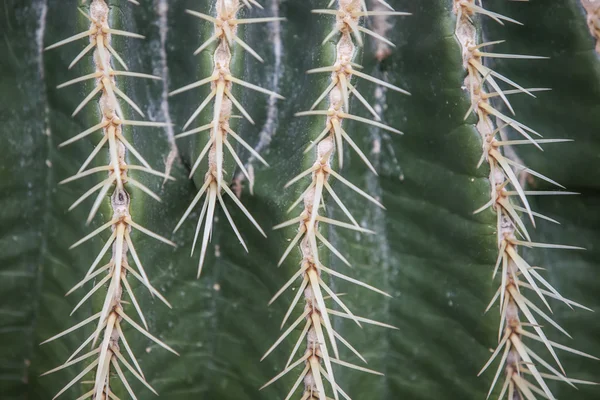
x=108 y=357
x=318 y=357
x=525 y=372
x=221 y=82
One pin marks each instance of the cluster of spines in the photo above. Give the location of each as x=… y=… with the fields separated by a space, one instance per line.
x=518 y=361
x=107 y=356
x=221 y=82
x=318 y=328
x=592 y=7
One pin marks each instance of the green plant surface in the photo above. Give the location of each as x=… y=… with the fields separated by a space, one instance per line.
x=429 y=251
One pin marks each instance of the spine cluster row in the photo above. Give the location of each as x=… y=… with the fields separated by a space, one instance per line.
x=111 y=353
x=316 y=319
x=221 y=82
x=524 y=372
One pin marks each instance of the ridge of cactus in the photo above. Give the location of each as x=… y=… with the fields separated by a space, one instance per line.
x=315 y=320
x=221 y=80
x=523 y=373
x=108 y=360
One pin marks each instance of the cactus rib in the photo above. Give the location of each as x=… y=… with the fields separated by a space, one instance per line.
x=318 y=324
x=107 y=355
x=517 y=360
x=221 y=82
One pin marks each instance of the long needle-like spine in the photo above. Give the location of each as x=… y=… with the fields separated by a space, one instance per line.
x=110 y=346
x=321 y=339
x=221 y=82
x=522 y=372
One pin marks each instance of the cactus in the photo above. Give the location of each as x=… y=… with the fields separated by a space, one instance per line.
x=430 y=216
